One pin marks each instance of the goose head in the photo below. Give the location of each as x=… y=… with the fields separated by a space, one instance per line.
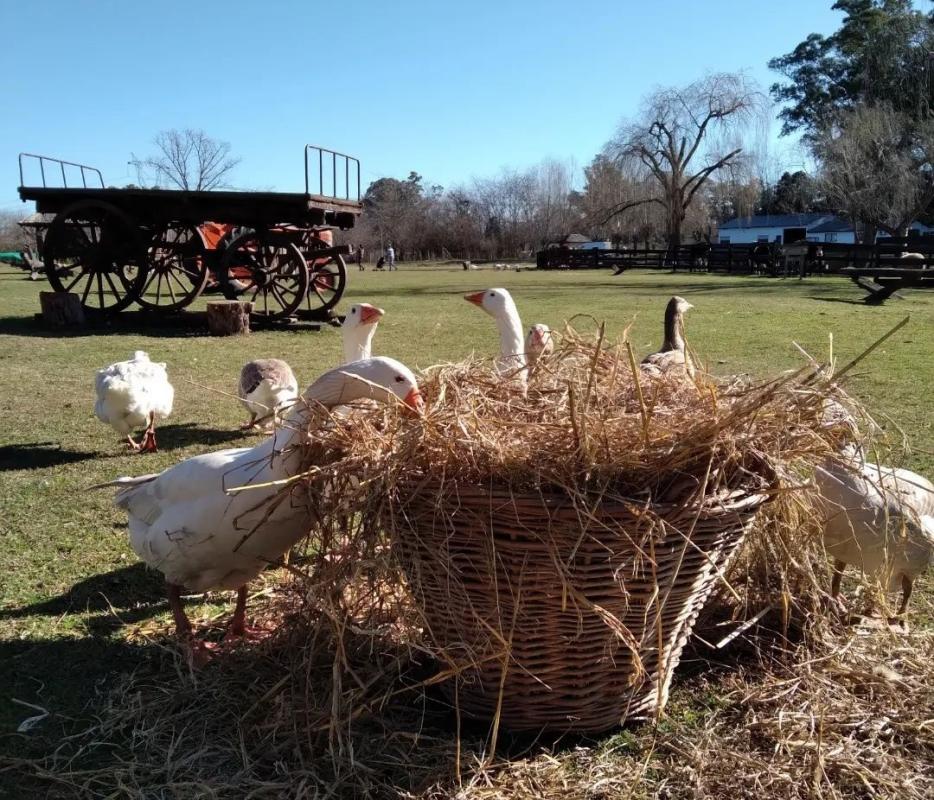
x=382 y=378
x=679 y=305
x=496 y=302
x=140 y=355
x=538 y=342
x=357 y=330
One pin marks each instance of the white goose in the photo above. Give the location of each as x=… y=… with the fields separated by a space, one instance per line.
x=267 y=385
x=880 y=519
x=673 y=353
x=358 y=329
x=185 y=523
x=131 y=394
x=538 y=343
x=498 y=303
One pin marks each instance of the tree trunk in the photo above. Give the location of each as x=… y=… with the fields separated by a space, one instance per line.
x=228 y=317
x=61 y=310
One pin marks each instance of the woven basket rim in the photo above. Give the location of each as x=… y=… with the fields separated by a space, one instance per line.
x=741 y=500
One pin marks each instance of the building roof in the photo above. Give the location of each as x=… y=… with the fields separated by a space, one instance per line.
x=833 y=225
x=774 y=221
x=575 y=238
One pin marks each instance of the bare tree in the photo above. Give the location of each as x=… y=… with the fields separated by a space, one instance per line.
x=878 y=165
x=12 y=236
x=189 y=160
x=684 y=136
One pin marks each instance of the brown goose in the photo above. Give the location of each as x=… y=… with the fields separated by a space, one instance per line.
x=673 y=353
x=266 y=386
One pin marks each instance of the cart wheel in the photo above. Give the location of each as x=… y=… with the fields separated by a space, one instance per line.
x=94 y=250
x=328 y=277
x=266 y=269
x=178 y=268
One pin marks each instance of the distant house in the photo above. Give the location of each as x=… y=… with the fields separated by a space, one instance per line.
x=787 y=228
x=577 y=241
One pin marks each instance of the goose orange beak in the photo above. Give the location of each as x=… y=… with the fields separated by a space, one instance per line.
x=414 y=400
x=370 y=313
x=476 y=298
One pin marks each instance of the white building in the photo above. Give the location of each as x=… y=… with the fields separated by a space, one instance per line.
x=787 y=228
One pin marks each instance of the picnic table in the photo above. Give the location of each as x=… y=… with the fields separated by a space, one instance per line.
x=881 y=283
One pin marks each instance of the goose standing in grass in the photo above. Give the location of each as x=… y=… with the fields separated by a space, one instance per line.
x=186 y=523
x=358 y=329
x=538 y=343
x=267 y=385
x=877 y=518
x=131 y=394
x=498 y=303
x=673 y=353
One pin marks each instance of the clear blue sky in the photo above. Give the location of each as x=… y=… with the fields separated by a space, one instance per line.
x=450 y=90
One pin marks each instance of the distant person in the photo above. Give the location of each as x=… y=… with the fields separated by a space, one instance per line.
x=359 y=257
x=379 y=263
x=391 y=257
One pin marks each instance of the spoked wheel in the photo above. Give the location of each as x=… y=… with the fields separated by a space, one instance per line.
x=327 y=277
x=267 y=269
x=95 y=251
x=178 y=268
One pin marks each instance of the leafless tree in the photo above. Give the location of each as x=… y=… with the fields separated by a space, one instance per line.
x=878 y=166
x=683 y=137
x=12 y=236
x=189 y=160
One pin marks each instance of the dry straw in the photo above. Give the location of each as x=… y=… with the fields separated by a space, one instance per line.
x=557 y=541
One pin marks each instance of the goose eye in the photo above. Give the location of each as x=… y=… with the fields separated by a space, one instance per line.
x=400 y=379
x=353 y=310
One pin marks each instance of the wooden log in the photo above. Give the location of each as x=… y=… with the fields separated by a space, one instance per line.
x=228 y=317
x=61 y=310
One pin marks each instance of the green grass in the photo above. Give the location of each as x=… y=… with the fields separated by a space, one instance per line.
x=72 y=590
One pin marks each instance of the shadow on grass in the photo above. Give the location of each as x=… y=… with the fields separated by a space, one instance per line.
x=133 y=588
x=183 y=324
x=839 y=300
x=185 y=434
x=38 y=455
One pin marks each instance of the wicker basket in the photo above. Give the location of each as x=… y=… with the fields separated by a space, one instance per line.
x=556 y=616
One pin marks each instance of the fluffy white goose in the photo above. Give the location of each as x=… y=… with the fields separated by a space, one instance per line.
x=131 y=394
x=498 y=303
x=538 y=343
x=267 y=385
x=184 y=523
x=877 y=518
x=357 y=331
x=673 y=353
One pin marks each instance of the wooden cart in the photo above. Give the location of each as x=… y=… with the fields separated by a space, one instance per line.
x=162 y=248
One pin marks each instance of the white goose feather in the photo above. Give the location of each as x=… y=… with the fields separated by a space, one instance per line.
x=128 y=392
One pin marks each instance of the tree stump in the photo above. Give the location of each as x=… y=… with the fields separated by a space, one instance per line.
x=61 y=310
x=229 y=317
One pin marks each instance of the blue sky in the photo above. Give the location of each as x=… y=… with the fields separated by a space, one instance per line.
x=450 y=90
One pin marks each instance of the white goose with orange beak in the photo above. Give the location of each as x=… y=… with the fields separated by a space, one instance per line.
x=358 y=329
x=498 y=303
x=187 y=522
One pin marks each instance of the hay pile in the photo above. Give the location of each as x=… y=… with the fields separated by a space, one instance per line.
x=552 y=545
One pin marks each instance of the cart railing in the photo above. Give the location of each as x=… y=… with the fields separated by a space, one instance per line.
x=43 y=160
x=331 y=168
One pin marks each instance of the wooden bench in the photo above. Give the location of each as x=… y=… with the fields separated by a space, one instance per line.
x=883 y=282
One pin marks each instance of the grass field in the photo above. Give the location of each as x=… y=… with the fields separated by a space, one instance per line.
x=72 y=591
